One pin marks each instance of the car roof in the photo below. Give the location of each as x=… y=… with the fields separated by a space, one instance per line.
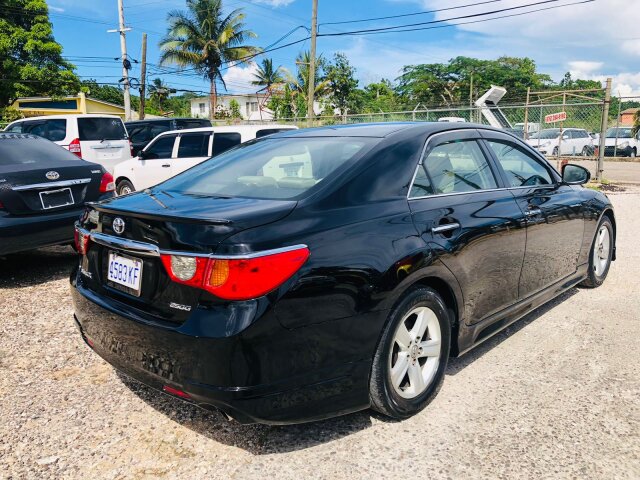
x=229 y=128
x=67 y=116
x=381 y=130
x=153 y=120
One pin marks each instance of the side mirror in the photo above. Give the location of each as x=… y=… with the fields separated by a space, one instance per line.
x=142 y=155
x=565 y=137
x=575 y=174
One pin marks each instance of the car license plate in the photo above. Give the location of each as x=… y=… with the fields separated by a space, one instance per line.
x=126 y=272
x=56 y=198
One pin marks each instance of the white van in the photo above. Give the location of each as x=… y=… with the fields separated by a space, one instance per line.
x=101 y=139
x=173 y=152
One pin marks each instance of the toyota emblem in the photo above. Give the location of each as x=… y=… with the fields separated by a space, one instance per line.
x=52 y=175
x=118 y=225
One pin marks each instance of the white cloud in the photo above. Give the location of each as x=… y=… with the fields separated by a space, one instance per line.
x=239 y=77
x=274 y=3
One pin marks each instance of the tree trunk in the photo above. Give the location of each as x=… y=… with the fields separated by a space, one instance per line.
x=213 y=100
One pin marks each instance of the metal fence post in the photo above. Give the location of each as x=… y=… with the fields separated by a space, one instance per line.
x=603 y=129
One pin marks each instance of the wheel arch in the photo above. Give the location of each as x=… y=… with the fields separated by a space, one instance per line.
x=441 y=280
x=608 y=212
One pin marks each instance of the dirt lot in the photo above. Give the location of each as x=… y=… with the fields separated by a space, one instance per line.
x=555 y=396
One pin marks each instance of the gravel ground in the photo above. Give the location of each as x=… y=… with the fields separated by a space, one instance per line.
x=555 y=396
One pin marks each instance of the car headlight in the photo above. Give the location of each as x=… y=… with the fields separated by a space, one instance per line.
x=545 y=144
x=623 y=145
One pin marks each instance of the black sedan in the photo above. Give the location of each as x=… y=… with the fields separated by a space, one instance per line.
x=43 y=190
x=319 y=272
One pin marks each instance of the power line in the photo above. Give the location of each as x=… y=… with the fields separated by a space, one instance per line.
x=475 y=4
x=431 y=22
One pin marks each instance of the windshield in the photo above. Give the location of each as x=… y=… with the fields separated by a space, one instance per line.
x=274 y=168
x=29 y=150
x=547 y=133
x=101 y=128
x=619 y=133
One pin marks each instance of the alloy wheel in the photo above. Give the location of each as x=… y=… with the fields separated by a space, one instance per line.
x=415 y=352
x=601 y=251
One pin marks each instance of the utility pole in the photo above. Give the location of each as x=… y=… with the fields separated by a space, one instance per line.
x=471 y=98
x=126 y=64
x=603 y=129
x=312 y=64
x=143 y=77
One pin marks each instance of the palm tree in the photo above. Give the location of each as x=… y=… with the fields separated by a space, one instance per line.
x=203 y=38
x=300 y=83
x=158 y=92
x=266 y=76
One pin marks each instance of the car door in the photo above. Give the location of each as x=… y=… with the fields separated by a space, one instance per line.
x=154 y=166
x=471 y=222
x=193 y=148
x=554 y=212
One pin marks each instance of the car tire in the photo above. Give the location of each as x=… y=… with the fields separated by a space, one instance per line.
x=585 y=151
x=410 y=360
x=600 y=255
x=555 y=152
x=633 y=153
x=124 y=187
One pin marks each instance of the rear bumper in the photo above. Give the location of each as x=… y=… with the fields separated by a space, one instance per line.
x=19 y=233
x=264 y=374
x=619 y=152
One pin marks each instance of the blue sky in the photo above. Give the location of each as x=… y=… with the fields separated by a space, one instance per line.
x=593 y=40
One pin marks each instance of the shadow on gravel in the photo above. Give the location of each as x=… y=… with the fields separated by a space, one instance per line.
x=34 y=267
x=265 y=439
x=457 y=364
x=256 y=439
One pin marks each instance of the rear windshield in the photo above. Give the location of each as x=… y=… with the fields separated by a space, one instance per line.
x=101 y=128
x=619 y=133
x=29 y=150
x=274 y=168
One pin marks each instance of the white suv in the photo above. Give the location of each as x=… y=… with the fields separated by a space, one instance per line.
x=570 y=141
x=101 y=139
x=173 y=152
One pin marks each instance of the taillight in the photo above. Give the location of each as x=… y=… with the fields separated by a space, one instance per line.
x=75 y=148
x=236 y=278
x=82 y=239
x=107 y=184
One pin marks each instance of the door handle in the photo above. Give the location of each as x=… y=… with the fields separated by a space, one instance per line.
x=447 y=227
x=533 y=212
x=166 y=165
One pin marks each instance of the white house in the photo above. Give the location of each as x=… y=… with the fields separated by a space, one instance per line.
x=249 y=106
x=252 y=106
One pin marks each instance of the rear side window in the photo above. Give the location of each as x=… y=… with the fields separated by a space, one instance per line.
x=161 y=148
x=270 y=131
x=101 y=128
x=184 y=124
x=194 y=145
x=26 y=151
x=522 y=169
x=224 y=141
x=458 y=166
x=139 y=134
x=54 y=129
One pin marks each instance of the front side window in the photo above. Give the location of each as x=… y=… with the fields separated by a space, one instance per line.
x=522 y=169
x=273 y=168
x=458 y=166
x=194 y=145
x=16 y=128
x=161 y=148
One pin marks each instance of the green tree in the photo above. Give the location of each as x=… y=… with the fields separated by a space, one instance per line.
x=203 y=38
x=281 y=103
x=234 y=109
x=106 y=93
x=158 y=94
x=267 y=76
x=342 y=84
x=299 y=83
x=31 y=62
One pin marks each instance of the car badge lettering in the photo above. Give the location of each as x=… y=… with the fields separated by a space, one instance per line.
x=178 y=306
x=52 y=175
x=118 y=225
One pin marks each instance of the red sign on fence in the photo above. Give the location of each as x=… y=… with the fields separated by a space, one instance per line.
x=555 y=117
